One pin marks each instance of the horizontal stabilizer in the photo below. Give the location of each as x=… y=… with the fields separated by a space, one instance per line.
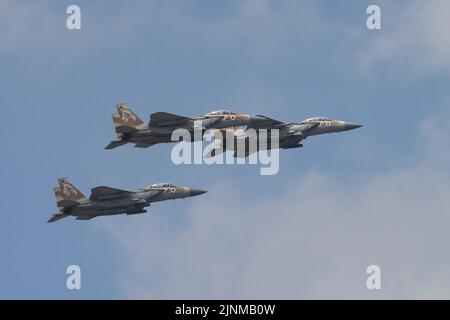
x=125 y=129
x=104 y=193
x=57 y=216
x=67 y=203
x=115 y=144
x=164 y=119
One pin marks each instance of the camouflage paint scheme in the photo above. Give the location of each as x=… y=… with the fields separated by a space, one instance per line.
x=110 y=201
x=130 y=128
x=290 y=134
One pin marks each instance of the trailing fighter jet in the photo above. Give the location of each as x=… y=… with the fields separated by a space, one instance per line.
x=130 y=128
x=290 y=134
x=106 y=201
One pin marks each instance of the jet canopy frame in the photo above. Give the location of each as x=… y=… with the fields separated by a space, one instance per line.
x=220 y=113
x=161 y=185
x=316 y=119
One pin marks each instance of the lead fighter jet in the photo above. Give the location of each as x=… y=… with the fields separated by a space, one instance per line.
x=130 y=128
x=110 y=201
x=290 y=134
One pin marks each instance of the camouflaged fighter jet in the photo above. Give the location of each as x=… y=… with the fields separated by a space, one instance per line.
x=130 y=128
x=290 y=134
x=105 y=201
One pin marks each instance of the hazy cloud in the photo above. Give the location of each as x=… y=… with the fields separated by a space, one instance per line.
x=414 y=35
x=315 y=237
x=313 y=241
x=255 y=26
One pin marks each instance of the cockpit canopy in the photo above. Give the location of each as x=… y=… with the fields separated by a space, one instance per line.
x=160 y=185
x=220 y=113
x=316 y=119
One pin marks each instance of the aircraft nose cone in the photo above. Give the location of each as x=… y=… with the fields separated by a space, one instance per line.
x=352 y=125
x=196 y=192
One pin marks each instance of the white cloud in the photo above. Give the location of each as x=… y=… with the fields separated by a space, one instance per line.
x=315 y=240
x=415 y=35
x=254 y=26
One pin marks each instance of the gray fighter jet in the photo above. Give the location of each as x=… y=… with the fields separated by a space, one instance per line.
x=290 y=134
x=110 y=201
x=130 y=128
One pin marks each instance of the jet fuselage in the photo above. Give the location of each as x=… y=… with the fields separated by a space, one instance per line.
x=289 y=134
x=110 y=201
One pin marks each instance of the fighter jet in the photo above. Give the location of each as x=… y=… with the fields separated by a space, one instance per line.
x=105 y=201
x=130 y=128
x=290 y=134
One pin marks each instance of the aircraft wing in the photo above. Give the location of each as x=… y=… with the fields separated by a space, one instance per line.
x=144 y=144
x=164 y=119
x=85 y=217
x=104 y=193
x=293 y=142
x=268 y=123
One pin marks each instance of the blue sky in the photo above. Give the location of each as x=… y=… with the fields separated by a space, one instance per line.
x=341 y=203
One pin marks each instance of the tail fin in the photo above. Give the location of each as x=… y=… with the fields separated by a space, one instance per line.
x=67 y=195
x=126 y=120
